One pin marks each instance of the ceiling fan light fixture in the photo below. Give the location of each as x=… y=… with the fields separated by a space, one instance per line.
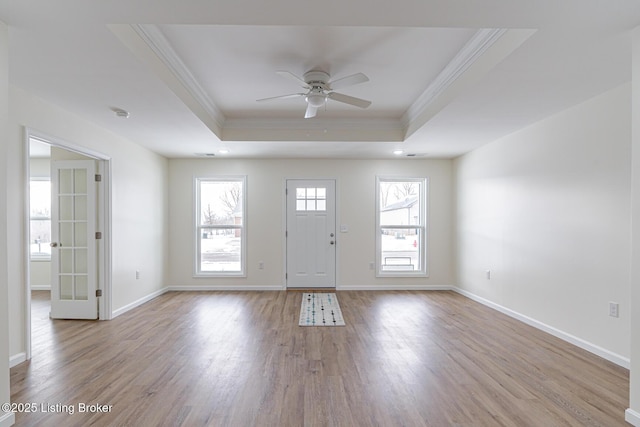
x=316 y=100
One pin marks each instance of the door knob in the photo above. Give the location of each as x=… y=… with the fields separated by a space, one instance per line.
x=53 y=244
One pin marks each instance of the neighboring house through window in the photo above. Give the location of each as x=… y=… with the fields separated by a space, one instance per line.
x=401 y=226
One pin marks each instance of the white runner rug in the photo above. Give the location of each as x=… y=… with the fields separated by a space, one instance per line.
x=320 y=309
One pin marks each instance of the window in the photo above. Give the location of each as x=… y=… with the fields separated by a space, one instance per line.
x=220 y=226
x=311 y=199
x=40 y=219
x=401 y=226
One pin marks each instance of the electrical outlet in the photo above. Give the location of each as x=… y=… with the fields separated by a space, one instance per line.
x=614 y=309
x=261 y=265
x=137 y=275
x=371 y=266
x=488 y=274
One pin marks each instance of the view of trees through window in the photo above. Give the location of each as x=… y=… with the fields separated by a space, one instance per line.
x=220 y=227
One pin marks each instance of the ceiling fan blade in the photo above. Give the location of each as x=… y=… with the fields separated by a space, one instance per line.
x=293 y=95
x=311 y=111
x=292 y=76
x=357 y=102
x=351 y=80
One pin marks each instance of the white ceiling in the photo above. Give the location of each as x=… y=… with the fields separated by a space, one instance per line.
x=445 y=77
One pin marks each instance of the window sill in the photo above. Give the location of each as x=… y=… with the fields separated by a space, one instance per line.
x=219 y=275
x=417 y=274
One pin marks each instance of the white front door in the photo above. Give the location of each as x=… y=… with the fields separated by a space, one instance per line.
x=73 y=240
x=311 y=233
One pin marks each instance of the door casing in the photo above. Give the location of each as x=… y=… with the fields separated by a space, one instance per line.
x=105 y=310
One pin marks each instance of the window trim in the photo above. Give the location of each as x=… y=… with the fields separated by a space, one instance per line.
x=423 y=227
x=197 y=227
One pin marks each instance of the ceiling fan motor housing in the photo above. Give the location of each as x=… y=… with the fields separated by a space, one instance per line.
x=317 y=79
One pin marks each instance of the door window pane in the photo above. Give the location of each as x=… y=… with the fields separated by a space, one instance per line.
x=80 y=261
x=311 y=199
x=80 y=181
x=66 y=287
x=80 y=208
x=82 y=288
x=66 y=260
x=65 y=181
x=65 y=208
x=80 y=234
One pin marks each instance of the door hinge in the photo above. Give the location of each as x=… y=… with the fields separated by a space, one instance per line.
x=286 y=191
x=286 y=234
x=98 y=177
x=98 y=235
x=286 y=276
x=98 y=292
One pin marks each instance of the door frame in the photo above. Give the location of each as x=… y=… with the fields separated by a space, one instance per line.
x=284 y=225
x=105 y=311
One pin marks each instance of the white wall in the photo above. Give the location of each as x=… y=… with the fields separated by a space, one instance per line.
x=139 y=204
x=6 y=419
x=355 y=208
x=547 y=210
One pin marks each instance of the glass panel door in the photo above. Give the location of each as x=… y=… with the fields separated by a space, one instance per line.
x=73 y=240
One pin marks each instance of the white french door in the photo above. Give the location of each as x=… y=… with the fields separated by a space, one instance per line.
x=73 y=240
x=311 y=233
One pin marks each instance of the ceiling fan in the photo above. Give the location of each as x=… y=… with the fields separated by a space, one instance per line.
x=321 y=88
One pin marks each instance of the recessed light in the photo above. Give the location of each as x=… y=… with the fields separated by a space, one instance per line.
x=398 y=152
x=223 y=151
x=205 y=154
x=121 y=113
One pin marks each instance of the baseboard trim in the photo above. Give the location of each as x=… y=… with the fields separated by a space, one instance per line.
x=394 y=288
x=8 y=419
x=138 y=302
x=579 y=342
x=195 y=288
x=40 y=287
x=632 y=417
x=17 y=359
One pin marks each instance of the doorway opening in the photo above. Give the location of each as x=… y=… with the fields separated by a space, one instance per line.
x=68 y=233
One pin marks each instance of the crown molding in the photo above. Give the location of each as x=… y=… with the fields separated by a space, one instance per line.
x=484 y=51
x=482 y=40
x=357 y=130
x=159 y=44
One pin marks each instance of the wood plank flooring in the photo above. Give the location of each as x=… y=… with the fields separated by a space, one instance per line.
x=409 y=358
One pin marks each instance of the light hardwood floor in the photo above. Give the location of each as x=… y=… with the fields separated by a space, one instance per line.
x=430 y=358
